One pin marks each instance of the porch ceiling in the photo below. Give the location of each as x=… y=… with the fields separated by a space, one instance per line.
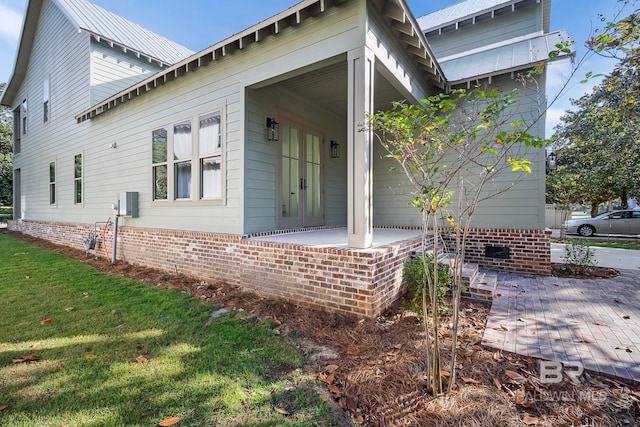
x=327 y=88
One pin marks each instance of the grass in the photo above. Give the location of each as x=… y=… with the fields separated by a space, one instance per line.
x=619 y=244
x=226 y=371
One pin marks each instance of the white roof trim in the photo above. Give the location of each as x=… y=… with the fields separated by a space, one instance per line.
x=293 y=16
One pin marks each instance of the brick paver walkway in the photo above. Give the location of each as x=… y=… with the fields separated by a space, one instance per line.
x=595 y=322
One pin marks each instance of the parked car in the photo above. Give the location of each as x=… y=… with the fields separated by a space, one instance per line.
x=616 y=222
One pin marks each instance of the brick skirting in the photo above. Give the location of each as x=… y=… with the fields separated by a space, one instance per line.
x=351 y=281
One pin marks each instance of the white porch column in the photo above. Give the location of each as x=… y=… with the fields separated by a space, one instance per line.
x=360 y=148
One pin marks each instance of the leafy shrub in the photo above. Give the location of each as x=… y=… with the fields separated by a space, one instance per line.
x=580 y=258
x=415 y=280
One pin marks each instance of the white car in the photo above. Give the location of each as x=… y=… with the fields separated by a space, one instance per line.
x=616 y=222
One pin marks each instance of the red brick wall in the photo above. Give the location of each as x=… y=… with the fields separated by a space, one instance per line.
x=351 y=281
x=529 y=250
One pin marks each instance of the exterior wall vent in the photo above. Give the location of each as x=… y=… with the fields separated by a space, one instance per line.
x=501 y=252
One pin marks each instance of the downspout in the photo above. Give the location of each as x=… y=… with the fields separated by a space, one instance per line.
x=115 y=233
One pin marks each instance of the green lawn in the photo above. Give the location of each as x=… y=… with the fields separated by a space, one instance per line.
x=620 y=244
x=226 y=371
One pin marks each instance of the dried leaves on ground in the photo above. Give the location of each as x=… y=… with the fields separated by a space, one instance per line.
x=374 y=370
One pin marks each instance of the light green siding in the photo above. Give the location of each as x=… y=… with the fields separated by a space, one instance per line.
x=523 y=21
x=521 y=207
x=113 y=70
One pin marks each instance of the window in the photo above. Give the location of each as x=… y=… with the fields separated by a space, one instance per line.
x=182 y=147
x=210 y=142
x=77 y=179
x=23 y=114
x=187 y=159
x=45 y=100
x=159 y=148
x=17 y=132
x=52 y=183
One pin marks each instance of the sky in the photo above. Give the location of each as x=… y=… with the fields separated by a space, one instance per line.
x=198 y=24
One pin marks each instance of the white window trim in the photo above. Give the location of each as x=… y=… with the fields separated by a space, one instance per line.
x=194 y=116
x=46 y=99
x=54 y=183
x=81 y=179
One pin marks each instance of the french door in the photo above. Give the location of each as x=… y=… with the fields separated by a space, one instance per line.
x=301 y=177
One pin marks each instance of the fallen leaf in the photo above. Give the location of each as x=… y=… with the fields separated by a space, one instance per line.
x=601 y=324
x=281 y=411
x=170 y=421
x=90 y=356
x=497 y=383
x=243 y=402
x=323 y=398
x=627 y=349
x=335 y=391
x=530 y=421
x=85 y=294
x=331 y=368
x=515 y=376
x=489 y=340
x=627 y=317
x=68 y=309
x=444 y=373
x=501 y=328
x=27 y=277
x=523 y=402
x=26 y=359
x=352 y=405
x=468 y=380
x=46 y=321
x=141 y=359
x=3 y=407
x=359 y=419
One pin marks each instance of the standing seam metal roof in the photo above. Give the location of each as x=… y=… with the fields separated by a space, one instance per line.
x=105 y=24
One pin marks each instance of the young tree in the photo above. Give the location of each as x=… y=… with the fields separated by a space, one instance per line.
x=451 y=147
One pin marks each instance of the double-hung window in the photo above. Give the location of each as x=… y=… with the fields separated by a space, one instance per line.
x=45 y=100
x=77 y=179
x=210 y=143
x=52 y=183
x=187 y=159
x=159 y=149
x=182 y=149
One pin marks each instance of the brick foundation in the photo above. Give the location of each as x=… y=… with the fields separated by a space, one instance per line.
x=529 y=250
x=350 y=281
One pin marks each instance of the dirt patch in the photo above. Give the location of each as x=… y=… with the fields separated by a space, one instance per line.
x=563 y=270
x=375 y=370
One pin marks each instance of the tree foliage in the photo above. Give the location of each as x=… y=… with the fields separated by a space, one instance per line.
x=6 y=155
x=598 y=142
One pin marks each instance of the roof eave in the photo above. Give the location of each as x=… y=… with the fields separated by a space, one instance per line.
x=27 y=35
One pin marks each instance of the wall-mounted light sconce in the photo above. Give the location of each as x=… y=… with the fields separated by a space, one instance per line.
x=552 y=162
x=335 y=150
x=272 y=129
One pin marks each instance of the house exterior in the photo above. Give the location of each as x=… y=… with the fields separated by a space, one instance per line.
x=258 y=135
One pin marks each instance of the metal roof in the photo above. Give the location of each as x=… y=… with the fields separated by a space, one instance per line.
x=471 y=9
x=104 y=24
x=501 y=58
x=397 y=11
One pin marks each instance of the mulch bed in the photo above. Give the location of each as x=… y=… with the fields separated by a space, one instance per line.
x=563 y=270
x=374 y=370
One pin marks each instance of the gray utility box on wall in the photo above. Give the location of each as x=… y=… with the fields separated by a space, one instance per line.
x=128 y=205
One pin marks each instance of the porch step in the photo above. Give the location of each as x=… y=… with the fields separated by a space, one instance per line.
x=483 y=287
x=481 y=284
